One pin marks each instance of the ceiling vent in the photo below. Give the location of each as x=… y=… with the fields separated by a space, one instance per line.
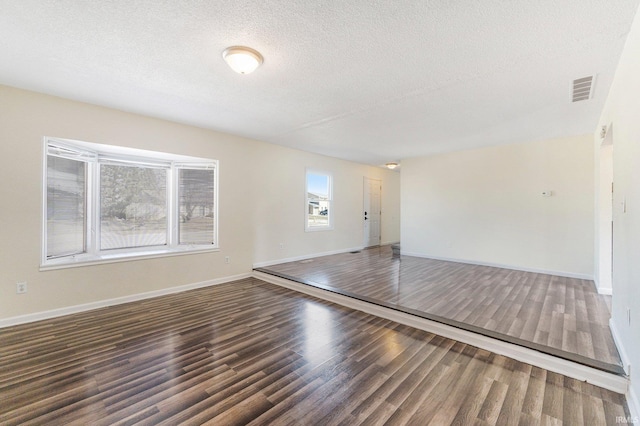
x=582 y=88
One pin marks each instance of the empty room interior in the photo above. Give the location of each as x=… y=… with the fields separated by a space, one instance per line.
x=352 y=212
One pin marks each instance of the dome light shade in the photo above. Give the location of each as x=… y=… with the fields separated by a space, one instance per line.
x=242 y=60
x=391 y=166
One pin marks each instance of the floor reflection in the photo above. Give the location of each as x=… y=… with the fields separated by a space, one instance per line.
x=562 y=316
x=318 y=326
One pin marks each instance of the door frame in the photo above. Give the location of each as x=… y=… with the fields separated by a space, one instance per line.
x=365 y=235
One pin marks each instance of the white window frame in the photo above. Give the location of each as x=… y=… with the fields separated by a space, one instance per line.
x=307 y=199
x=95 y=154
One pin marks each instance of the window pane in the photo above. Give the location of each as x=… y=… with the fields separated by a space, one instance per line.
x=319 y=200
x=133 y=206
x=318 y=186
x=318 y=213
x=65 y=206
x=196 y=206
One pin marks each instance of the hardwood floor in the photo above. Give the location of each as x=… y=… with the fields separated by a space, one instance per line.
x=562 y=316
x=249 y=352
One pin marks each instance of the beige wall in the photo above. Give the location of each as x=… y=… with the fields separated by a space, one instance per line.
x=485 y=206
x=261 y=203
x=622 y=112
x=280 y=219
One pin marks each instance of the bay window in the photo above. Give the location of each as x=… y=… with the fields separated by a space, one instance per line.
x=104 y=203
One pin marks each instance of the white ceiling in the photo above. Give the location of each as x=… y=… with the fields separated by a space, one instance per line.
x=364 y=80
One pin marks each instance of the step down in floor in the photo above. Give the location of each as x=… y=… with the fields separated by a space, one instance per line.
x=615 y=382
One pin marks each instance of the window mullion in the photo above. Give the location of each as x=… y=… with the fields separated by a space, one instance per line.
x=93 y=208
x=172 y=194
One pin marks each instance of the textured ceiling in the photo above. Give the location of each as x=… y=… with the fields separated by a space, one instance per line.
x=369 y=81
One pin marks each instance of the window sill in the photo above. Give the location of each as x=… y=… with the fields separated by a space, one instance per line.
x=88 y=260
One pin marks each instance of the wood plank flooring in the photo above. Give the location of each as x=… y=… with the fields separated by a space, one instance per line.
x=249 y=352
x=564 y=316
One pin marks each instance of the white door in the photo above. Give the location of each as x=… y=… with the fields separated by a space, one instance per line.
x=371 y=210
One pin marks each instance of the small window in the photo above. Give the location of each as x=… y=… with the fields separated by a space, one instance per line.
x=319 y=206
x=103 y=203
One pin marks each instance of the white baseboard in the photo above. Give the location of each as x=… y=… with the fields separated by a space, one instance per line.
x=574 y=370
x=503 y=266
x=603 y=288
x=38 y=316
x=304 y=257
x=626 y=364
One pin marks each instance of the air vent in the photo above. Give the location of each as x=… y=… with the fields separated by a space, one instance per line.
x=582 y=88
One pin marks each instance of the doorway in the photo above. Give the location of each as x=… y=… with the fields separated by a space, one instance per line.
x=372 y=211
x=605 y=215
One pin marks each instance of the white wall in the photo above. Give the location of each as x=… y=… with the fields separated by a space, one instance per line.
x=261 y=203
x=604 y=214
x=622 y=112
x=485 y=206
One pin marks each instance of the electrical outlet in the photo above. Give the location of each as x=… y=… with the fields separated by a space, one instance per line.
x=281 y=246
x=21 y=288
x=227 y=259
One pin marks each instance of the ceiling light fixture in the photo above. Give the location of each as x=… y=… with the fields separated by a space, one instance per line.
x=242 y=60
x=391 y=166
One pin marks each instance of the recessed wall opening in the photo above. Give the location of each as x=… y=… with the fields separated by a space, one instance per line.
x=604 y=209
